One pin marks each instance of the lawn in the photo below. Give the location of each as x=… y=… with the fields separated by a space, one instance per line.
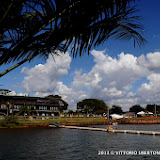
x=63 y=120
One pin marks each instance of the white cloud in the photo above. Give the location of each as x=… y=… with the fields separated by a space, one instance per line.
x=110 y=79
x=44 y=77
x=150 y=92
x=150 y=61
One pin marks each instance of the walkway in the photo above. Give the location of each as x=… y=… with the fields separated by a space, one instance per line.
x=114 y=131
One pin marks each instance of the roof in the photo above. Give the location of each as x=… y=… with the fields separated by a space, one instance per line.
x=5 y=90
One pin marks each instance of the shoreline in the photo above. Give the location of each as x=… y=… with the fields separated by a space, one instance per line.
x=140 y=121
x=82 y=123
x=46 y=125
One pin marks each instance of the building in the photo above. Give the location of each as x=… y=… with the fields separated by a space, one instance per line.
x=42 y=106
x=4 y=91
x=129 y=115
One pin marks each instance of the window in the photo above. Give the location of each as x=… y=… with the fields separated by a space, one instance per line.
x=43 y=107
x=3 y=106
x=61 y=103
x=55 y=108
x=16 y=106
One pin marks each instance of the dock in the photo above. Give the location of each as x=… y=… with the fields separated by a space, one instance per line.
x=86 y=128
x=136 y=132
x=114 y=131
x=54 y=125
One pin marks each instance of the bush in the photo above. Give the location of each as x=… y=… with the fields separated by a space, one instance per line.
x=9 y=121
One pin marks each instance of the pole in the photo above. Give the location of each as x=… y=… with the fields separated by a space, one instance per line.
x=155 y=110
x=108 y=113
x=155 y=105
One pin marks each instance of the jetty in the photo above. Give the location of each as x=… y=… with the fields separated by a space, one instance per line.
x=54 y=125
x=113 y=130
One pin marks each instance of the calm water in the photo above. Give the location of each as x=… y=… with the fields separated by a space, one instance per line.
x=69 y=144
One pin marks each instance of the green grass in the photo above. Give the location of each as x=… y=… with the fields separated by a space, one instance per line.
x=64 y=120
x=19 y=121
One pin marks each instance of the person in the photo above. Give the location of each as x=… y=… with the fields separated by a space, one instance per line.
x=114 y=125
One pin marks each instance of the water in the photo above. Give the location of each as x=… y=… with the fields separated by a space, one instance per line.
x=71 y=144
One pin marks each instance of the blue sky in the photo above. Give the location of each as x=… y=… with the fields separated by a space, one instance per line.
x=118 y=78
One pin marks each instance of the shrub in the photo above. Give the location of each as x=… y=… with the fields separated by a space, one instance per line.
x=9 y=121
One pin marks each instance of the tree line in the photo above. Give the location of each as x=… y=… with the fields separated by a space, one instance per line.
x=96 y=106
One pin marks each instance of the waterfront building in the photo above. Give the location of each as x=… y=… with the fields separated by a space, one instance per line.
x=4 y=92
x=44 y=106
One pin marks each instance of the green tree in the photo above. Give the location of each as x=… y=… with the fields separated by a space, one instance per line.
x=70 y=112
x=151 y=108
x=8 y=107
x=136 y=108
x=116 y=109
x=27 y=110
x=92 y=105
x=36 y=28
x=87 y=109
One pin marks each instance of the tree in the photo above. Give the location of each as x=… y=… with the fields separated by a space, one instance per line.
x=36 y=28
x=8 y=107
x=151 y=108
x=92 y=105
x=70 y=112
x=87 y=109
x=26 y=110
x=116 y=109
x=136 y=108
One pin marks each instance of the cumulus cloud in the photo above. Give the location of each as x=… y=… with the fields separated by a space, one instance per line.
x=44 y=77
x=150 y=92
x=110 y=71
x=150 y=61
x=110 y=79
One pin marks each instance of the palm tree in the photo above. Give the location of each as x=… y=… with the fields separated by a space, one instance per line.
x=8 y=107
x=26 y=110
x=36 y=28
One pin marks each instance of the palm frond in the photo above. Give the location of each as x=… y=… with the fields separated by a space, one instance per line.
x=44 y=26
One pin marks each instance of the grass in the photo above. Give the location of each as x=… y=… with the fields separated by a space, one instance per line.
x=19 y=121
x=15 y=121
x=64 y=120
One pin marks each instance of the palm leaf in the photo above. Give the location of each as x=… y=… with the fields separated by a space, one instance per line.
x=45 y=26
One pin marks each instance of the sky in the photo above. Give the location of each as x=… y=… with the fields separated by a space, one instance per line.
x=116 y=72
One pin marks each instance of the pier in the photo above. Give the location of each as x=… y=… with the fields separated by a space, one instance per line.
x=114 y=131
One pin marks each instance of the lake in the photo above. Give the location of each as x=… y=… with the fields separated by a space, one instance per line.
x=72 y=144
